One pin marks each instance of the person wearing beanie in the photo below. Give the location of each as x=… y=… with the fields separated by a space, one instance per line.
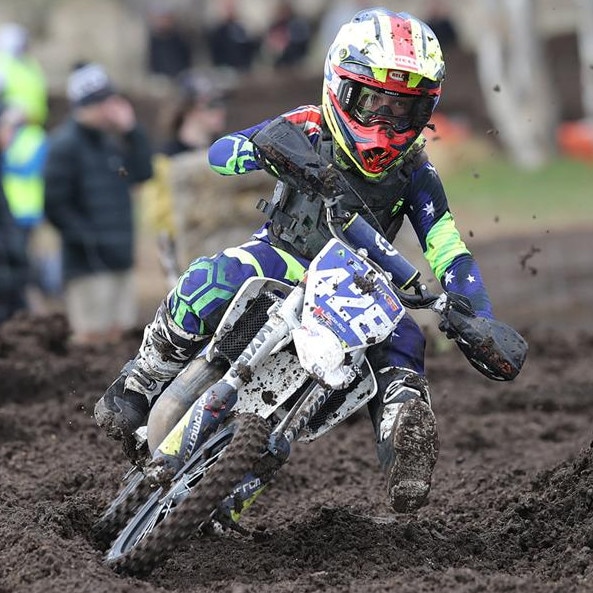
x=94 y=159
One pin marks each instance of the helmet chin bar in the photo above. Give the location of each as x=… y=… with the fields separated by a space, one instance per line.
x=345 y=162
x=378 y=160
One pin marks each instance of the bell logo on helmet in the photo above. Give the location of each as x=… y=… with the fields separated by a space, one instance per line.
x=398 y=75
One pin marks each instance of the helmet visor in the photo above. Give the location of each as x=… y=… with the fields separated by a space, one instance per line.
x=378 y=107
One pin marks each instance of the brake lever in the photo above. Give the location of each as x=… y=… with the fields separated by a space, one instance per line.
x=451 y=301
x=421 y=299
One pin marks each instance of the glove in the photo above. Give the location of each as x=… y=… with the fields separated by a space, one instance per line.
x=491 y=346
x=283 y=150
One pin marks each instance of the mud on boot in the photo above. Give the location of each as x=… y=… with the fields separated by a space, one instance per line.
x=120 y=412
x=166 y=348
x=415 y=443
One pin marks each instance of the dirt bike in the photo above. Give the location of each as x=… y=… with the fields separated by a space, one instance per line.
x=286 y=363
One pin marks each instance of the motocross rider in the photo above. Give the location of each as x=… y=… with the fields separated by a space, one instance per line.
x=382 y=81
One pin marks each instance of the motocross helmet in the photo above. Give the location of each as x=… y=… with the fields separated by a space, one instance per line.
x=382 y=81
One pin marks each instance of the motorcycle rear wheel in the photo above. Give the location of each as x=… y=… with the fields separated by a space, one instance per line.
x=167 y=519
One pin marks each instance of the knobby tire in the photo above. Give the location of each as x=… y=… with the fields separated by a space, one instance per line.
x=238 y=458
x=123 y=507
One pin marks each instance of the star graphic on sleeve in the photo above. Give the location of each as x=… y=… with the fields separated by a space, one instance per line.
x=429 y=209
x=449 y=276
x=471 y=279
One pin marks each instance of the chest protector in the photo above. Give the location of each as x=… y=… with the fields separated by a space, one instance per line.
x=298 y=223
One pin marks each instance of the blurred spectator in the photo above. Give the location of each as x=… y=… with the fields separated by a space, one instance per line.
x=439 y=20
x=197 y=117
x=287 y=39
x=13 y=258
x=25 y=149
x=169 y=51
x=22 y=81
x=93 y=159
x=229 y=42
x=23 y=88
x=198 y=114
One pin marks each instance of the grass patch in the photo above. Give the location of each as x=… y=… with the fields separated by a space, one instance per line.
x=495 y=191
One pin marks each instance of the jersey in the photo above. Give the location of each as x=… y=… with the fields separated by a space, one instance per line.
x=421 y=199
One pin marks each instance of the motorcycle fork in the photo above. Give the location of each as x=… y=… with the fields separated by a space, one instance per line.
x=252 y=485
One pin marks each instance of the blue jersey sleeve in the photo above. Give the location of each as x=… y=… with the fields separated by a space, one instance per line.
x=449 y=258
x=233 y=154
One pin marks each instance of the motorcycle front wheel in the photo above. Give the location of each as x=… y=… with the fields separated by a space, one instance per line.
x=167 y=519
x=133 y=494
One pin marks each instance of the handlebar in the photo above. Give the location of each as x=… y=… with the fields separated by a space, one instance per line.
x=358 y=233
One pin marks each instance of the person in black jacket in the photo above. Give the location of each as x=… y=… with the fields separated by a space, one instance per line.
x=229 y=42
x=169 y=51
x=93 y=159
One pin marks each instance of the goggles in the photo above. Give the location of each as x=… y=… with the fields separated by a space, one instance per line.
x=375 y=107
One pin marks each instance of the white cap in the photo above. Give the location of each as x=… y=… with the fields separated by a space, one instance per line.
x=88 y=84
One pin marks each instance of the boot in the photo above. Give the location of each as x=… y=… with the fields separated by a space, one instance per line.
x=166 y=348
x=407 y=438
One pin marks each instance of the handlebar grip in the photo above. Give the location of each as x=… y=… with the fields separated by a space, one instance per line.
x=361 y=234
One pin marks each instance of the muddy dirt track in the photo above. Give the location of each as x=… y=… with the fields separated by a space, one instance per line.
x=512 y=502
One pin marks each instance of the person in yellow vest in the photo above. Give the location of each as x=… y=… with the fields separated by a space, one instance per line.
x=24 y=91
x=14 y=263
x=22 y=166
x=22 y=79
